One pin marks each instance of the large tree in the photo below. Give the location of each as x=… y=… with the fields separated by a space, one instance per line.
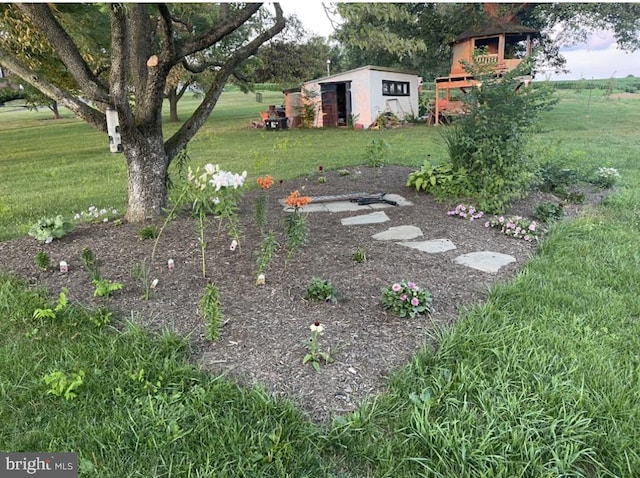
x=146 y=41
x=417 y=35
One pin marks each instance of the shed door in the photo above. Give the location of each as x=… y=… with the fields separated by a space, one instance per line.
x=329 y=104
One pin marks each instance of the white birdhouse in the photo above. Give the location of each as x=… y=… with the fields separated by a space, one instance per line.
x=113 y=129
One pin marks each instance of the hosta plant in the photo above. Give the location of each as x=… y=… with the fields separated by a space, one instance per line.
x=49 y=228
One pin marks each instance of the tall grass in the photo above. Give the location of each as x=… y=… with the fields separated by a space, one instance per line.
x=541 y=380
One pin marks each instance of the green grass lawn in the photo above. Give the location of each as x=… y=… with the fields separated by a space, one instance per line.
x=542 y=380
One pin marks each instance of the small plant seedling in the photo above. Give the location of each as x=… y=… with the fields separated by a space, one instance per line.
x=142 y=274
x=90 y=263
x=319 y=289
x=343 y=172
x=376 y=152
x=315 y=353
x=48 y=312
x=211 y=310
x=148 y=232
x=42 y=260
x=359 y=255
x=104 y=288
x=63 y=385
x=268 y=248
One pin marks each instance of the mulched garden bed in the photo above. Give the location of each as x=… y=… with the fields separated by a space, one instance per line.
x=265 y=328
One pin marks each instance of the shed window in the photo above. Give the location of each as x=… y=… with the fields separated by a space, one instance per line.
x=395 y=88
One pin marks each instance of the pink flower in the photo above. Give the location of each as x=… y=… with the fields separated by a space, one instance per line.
x=532 y=226
x=403 y=297
x=411 y=285
x=396 y=287
x=501 y=219
x=487 y=224
x=415 y=302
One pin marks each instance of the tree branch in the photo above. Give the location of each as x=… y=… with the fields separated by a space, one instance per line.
x=41 y=16
x=228 y=25
x=91 y=115
x=197 y=119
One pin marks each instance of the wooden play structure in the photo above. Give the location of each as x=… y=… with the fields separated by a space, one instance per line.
x=504 y=46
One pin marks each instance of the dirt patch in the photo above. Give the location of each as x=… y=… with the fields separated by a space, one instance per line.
x=263 y=338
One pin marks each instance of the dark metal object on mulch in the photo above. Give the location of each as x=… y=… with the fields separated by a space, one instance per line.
x=362 y=199
x=375 y=199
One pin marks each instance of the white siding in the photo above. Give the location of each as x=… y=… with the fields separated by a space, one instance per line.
x=367 y=101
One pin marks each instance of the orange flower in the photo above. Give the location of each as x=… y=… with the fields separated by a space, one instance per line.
x=265 y=182
x=295 y=200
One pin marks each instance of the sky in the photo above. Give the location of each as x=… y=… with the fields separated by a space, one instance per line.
x=597 y=58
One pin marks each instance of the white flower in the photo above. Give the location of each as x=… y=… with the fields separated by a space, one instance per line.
x=211 y=169
x=154 y=283
x=316 y=328
x=114 y=211
x=105 y=220
x=260 y=279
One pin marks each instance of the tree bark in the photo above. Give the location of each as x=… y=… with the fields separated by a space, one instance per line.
x=53 y=106
x=147 y=165
x=173 y=98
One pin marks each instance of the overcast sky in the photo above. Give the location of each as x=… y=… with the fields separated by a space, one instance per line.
x=598 y=58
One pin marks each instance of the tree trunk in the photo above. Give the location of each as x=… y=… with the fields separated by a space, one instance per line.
x=173 y=105
x=54 y=109
x=147 y=164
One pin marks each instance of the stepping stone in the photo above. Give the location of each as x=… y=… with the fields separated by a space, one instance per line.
x=432 y=247
x=399 y=233
x=372 y=218
x=485 y=261
x=344 y=206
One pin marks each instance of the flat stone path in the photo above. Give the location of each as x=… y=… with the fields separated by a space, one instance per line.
x=485 y=261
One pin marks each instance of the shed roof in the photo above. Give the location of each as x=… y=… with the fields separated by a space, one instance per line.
x=496 y=27
x=362 y=68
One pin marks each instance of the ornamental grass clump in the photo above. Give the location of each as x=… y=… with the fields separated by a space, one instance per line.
x=406 y=299
x=517 y=227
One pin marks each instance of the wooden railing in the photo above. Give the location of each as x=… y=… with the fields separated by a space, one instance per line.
x=486 y=59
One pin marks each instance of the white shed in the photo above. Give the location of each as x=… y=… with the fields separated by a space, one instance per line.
x=362 y=95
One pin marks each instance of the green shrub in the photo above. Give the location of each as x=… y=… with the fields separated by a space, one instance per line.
x=553 y=178
x=548 y=211
x=488 y=144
